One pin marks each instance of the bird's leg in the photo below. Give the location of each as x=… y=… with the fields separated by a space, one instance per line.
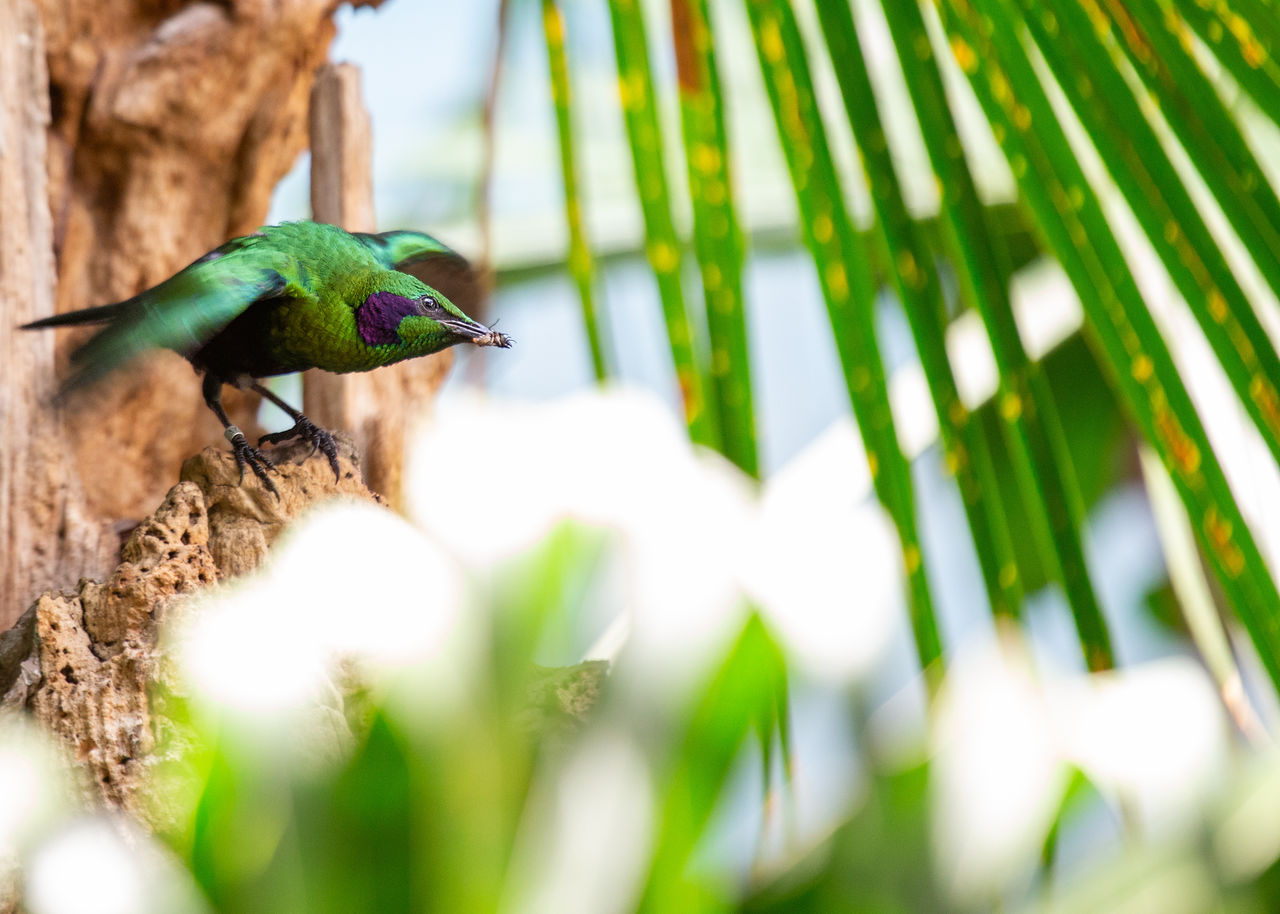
x=244 y=453
x=303 y=428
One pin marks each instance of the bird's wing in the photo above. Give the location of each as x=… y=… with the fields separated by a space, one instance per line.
x=187 y=310
x=435 y=263
x=398 y=250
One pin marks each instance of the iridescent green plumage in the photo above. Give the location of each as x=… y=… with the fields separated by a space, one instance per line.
x=291 y=297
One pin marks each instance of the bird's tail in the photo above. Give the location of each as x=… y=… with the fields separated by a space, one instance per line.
x=102 y=314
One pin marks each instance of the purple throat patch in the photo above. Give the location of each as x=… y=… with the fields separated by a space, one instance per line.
x=380 y=315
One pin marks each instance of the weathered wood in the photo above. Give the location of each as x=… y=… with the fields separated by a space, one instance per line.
x=341 y=150
x=134 y=136
x=45 y=538
x=85 y=664
x=375 y=408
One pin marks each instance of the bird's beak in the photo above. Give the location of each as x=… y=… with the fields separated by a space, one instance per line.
x=479 y=334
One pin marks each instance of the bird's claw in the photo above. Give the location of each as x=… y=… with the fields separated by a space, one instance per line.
x=320 y=439
x=248 y=456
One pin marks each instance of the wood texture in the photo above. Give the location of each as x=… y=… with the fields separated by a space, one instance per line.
x=375 y=408
x=86 y=664
x=137 y=134
x=341 y=150
x=47 y=538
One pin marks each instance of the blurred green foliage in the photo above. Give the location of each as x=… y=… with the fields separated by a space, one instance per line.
x=471 y=804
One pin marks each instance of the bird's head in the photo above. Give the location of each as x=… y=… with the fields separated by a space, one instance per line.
x=404 y=312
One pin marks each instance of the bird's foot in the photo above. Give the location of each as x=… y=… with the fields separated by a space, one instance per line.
x=307 y=430
x=249 y=456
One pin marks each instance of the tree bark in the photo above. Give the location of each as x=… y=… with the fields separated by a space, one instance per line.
x=137 y=134
x=85 y=664
x=46 y=539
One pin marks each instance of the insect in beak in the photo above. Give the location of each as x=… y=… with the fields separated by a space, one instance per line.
x=480 y=335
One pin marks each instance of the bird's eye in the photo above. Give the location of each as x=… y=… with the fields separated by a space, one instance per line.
x=428 y=305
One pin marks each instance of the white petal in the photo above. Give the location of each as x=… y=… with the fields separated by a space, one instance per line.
x=491 y=478
x=349 y=579
x=101 y=866
x=36 y=787
x=1156 y=733
x=829 y=578
x=997 y=777
x=832 y=468
x=368 y=583
x=683 y=558
x=584 y=842
x=242 y=650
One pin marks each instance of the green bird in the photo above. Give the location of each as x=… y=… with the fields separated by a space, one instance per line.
x=287 y=298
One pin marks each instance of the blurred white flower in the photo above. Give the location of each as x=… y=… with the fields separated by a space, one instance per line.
x=349 y=579
x=242 y=650
x=489 y=479
x=585 y=837
x=997 y=777
x=102 y=866
x=36 y=786
x=825 y=563
x=368 y=583
x=686 y=598
x=1152 y=737
x=1155 y=734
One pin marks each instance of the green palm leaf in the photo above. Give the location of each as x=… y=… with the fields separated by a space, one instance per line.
x=1162 y=205
x=635 y=85
x=848 y=288
x=1139 y=87
x=915 y=278
x=1027 y=409
x=717 y=239
x=1069 y=215
x=581 y=264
